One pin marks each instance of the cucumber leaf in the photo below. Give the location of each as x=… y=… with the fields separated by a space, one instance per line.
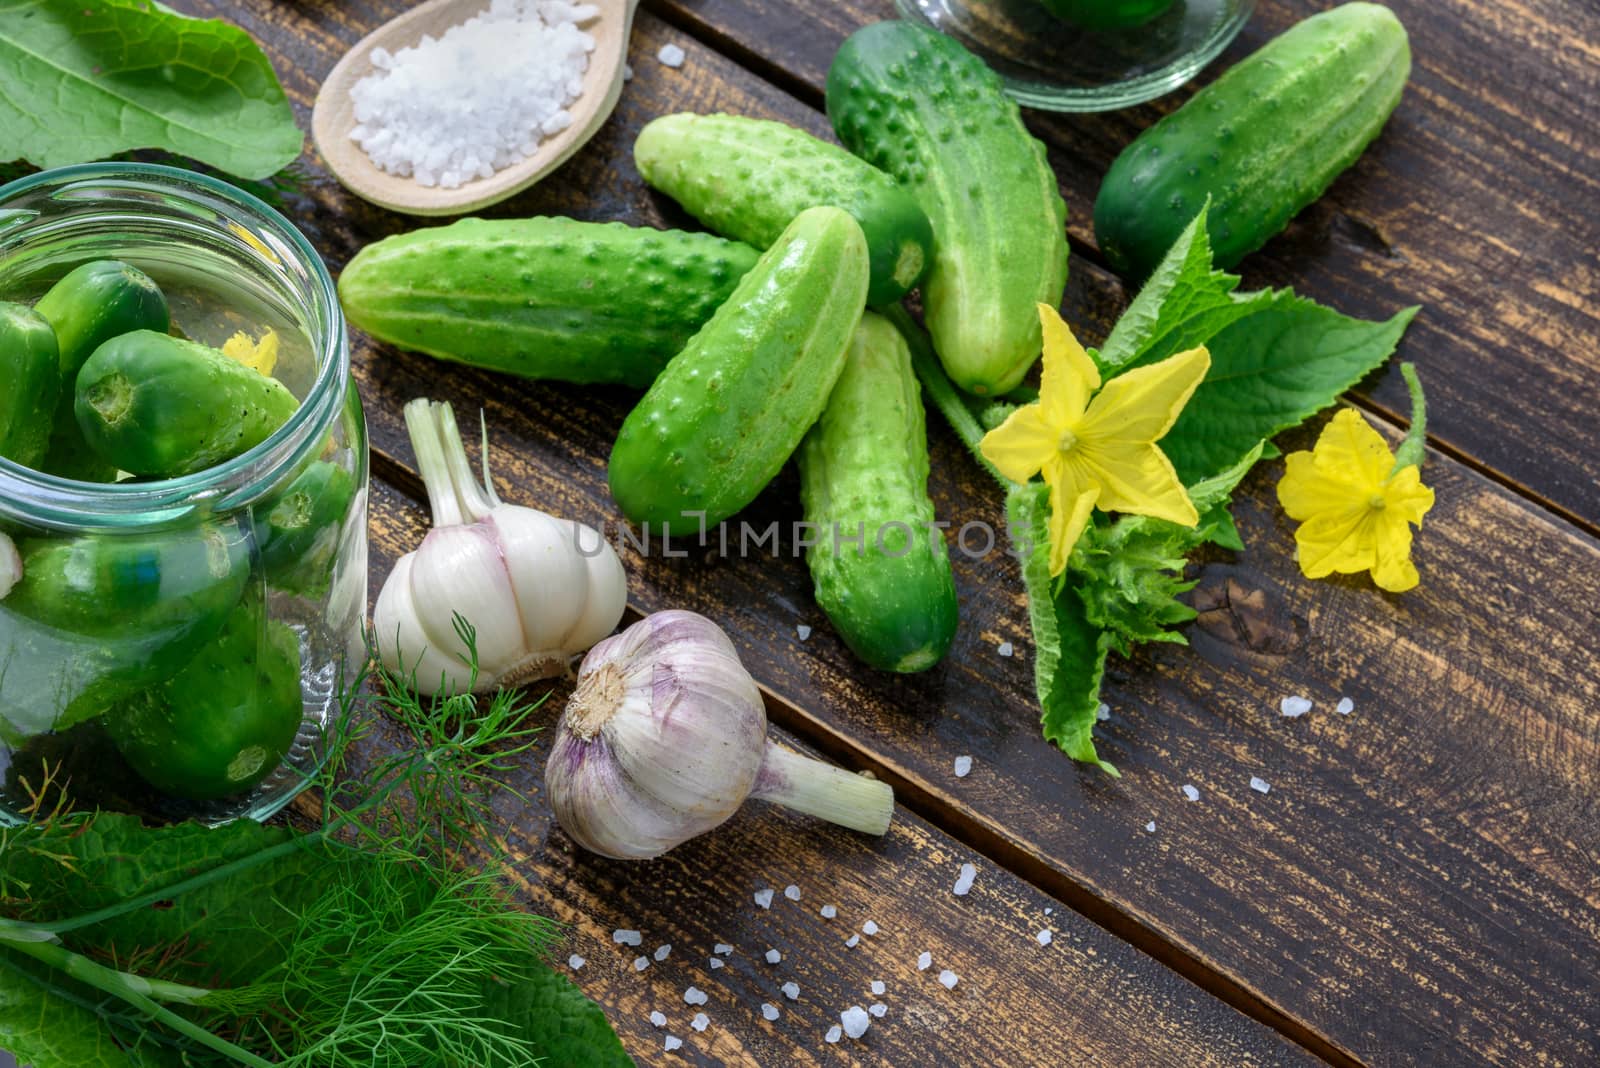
x=46 y=1022
x=567 y=1027
x=1069 y=651
x=81 y=80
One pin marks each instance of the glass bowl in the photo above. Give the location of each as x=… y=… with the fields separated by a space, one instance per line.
x=1051 y=64
x=157 y=624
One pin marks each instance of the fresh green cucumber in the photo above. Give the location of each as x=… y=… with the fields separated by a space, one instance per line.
x=99 y=617
x=1262 y=141
x=297 y=531
x=224 y=722
x=1106 y=14
x=729 y=409
x=92 y=304
x=543 y=298
x=30 y=384
x=880 y=568
x=913 y=102
x=748 y=178
x=162 y=407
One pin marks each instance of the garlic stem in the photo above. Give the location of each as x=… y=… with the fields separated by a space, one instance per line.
x=475 y=503
x=786 y=778
x=431 y=462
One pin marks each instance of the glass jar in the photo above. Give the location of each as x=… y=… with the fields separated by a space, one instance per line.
x=175 y=647
x=1088 y=55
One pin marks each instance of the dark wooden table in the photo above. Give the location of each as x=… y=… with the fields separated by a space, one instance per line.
x=1422 y=883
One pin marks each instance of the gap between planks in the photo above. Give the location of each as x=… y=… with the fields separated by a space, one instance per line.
x=945 y=813
x=708 y=35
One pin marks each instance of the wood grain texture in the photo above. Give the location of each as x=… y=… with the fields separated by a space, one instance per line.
x=1419 y=886
x=1070 y=1002
x=1476 y=202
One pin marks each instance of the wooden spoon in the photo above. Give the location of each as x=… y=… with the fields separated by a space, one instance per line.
x=333 y=116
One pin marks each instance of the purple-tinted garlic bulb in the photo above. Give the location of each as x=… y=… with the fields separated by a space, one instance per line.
x=666 y=735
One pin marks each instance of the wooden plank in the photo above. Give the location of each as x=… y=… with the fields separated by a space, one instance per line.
x=1068 y=1002
x=1477 y=202
x=1420 y=883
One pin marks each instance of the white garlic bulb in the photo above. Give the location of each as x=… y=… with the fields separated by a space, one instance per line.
x=666 y=735
x=536 y=589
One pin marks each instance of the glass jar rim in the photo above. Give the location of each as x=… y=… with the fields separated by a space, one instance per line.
x=62 y=501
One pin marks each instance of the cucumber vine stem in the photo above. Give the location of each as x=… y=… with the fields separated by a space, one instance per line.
x=944 y=394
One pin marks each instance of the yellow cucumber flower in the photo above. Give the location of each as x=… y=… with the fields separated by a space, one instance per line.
x=1098 y=450
x=258 y=355
x=1354 y=505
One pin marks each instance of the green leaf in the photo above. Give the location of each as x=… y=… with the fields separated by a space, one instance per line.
x=1069 y=652
x=1271 y=371
x=46 y=1022
x=82 y=80
x=565 y=1025
x=1184 y=304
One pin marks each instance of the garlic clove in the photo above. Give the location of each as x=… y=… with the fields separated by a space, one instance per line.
x=549 y=583
x=462 y=569
x=607 y=588
x=403 y=643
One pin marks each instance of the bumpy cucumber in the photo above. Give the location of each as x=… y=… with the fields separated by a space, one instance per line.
x=297 y=532
x=163 y=407
x=864 y=476
x=544 y=298
x=748 y=178
x=729 y=409
x=224 y=722
x=1262 y=141
x=97 y=618
x=913 y=102
x=30 y=384
x=92 y=304
x=1106 y=14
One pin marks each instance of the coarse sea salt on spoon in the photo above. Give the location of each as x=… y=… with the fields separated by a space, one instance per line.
x=333 y=117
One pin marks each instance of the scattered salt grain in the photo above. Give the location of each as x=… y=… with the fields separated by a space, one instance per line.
x=1044 y=937
x=1190 y=793
x=969 y=872
x=723 y=948
x=1150 y=828
x=869 y=928
x=575 y=962
x=1103 y=713
x=803 y=631
x=773 y=956
x=627 y=938
x=852 y=942
x=877 y=986
x=1006 y=649
x=792 y=892
x=1295 y=706
x=1048 y=911
x=671 y=55
x=829 y=912
x=641 y=963
x=769 y=1010
x=949 y=979
x=878 y=1009
x=963 y=766
x=764 y=898
x=663 y=951
x=673 y=1042
x=1345 y=706
x=791 y=991
x=1259 y=785
x=700 y=1022
x=627 y=73
x=659 y=1019
x=924 y=961
x=833 y=1034
x=479 y=97
x=694 y=996
x=855 y=1020
x=715 y=962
